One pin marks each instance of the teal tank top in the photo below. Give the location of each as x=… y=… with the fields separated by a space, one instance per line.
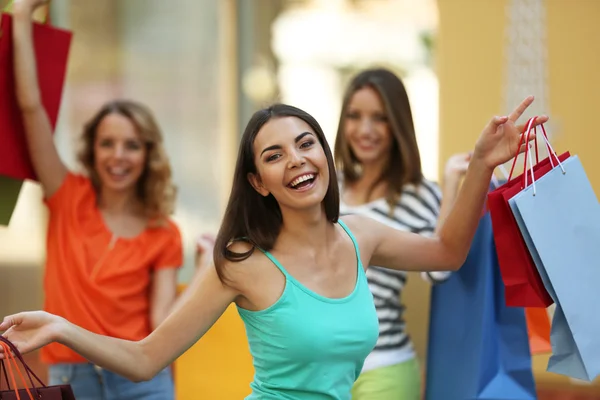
x=309 y=347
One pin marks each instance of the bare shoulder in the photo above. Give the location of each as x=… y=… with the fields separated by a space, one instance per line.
x=364 y=229
x=244 y=267
x=359 y=224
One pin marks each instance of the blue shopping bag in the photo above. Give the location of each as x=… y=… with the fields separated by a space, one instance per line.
x=559 y=217
x=478 y=347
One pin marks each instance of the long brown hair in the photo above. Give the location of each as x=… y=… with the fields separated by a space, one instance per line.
x=154 y=188
x=405 y=161
x=254 y=218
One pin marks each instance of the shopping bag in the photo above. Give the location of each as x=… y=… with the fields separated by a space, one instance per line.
x=538 y=329
x=51 y=52
x=9 y=194
x=523 y=285
x=9 y=369
x=559 y=217
x=478 y=347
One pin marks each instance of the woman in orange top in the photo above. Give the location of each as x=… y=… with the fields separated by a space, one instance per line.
x=112 y=252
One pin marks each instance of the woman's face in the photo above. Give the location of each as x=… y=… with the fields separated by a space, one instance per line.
x=290 y=163
x=366 y=127
x=119 y=153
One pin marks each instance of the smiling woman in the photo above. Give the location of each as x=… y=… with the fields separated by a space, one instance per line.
x=303 y=295
x=112 y=251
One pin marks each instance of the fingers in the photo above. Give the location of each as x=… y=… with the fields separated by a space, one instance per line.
x=542 y=119
x=516 y=114
x=524 y=145
x=209 y=237
x=497 y=121
x=9 y=321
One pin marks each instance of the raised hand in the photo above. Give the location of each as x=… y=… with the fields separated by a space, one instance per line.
x=29 y=4
x=457 y=166
x=204 y=249
x=29 y=331
x=499 y=141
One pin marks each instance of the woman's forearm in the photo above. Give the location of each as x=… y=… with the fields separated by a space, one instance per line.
x=26 y=80
x=124 y=357
x=458 y=228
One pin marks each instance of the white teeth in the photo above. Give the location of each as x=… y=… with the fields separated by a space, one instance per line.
x=117 y=171
x=301 y=179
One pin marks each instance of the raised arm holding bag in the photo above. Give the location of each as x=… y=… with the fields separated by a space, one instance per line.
x=51 y=47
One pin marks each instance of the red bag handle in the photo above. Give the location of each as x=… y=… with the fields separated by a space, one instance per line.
x=524 y=136
x=9 y=357
x=5 y=342
x=525 y=139
x=551 y=153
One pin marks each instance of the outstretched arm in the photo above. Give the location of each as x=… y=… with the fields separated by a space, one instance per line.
x=194 y=313
x=498 y=143
x=46 y=161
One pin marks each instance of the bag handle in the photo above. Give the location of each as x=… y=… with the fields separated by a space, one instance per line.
x=522 y=140
x=4 y=341
x=3 y=371
x=10 y=357
x=551 y=153
x=524 y=136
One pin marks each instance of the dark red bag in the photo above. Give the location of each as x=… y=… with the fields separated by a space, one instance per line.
x=39 y=392
x=522 y=282
x=51 y=51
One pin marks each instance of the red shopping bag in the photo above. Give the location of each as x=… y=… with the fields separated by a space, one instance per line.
x=51 y=51
x=522 y=282
x=538 y=330
x=9 y=367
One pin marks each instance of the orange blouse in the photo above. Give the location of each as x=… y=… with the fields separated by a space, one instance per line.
x=94 y=280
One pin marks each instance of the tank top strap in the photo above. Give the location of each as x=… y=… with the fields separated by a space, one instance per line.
x=276 y=262
x=354 y=242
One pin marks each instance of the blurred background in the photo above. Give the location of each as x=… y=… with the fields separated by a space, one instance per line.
x=204 y=66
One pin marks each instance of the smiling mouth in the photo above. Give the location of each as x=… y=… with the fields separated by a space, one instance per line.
x=118 y=172
x=302 y=181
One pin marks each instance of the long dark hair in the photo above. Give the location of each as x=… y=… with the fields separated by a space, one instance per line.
x=252 y=217
x=405 y=161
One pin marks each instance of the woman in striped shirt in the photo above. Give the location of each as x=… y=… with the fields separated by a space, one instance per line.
x=380 y=177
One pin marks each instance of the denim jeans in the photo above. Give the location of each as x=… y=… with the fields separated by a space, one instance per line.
x=90 y=382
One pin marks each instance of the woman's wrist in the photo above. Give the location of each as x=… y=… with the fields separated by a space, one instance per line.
x=21 y=10
x=60 y=330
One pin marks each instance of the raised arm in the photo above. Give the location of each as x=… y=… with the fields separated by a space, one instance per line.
x=194 y=313
x=47 y=164
x=455 y=170
x=498 y=143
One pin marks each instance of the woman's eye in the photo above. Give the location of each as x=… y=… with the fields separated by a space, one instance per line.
x=273 y=157
x=134 y=145
x=307 y=144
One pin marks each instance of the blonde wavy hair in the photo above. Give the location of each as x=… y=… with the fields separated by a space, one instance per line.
x=154 y=188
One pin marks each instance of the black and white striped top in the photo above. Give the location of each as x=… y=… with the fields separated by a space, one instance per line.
x=416 y=211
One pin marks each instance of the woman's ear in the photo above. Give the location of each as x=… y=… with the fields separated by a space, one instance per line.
x=256 y=183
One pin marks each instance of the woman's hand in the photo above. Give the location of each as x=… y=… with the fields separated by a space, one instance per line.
x=499 y=141
x=29 y=331
x=456 y=167
x=204 y=249
x=28 y=6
